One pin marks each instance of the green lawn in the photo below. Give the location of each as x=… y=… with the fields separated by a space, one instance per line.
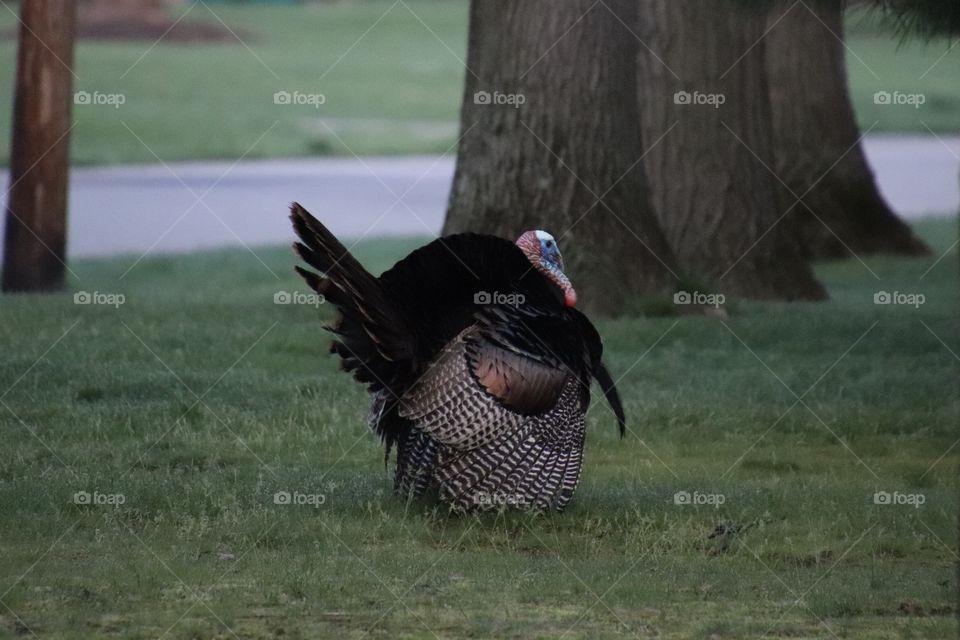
x=198 y=399
x=391 y=75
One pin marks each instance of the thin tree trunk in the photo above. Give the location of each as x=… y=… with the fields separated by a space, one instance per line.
x=566 y=160
x=704 y=75
x=36 y=225
x=817 y=142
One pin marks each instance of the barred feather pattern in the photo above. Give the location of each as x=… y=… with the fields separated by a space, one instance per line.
x=416 y=459
x=448 y=403
x=534 y=467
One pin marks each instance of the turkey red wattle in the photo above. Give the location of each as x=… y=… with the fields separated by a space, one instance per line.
x=544 y=254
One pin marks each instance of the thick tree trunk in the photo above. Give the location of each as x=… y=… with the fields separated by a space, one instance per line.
x=36 y=225
x=704 y=74
x=817 y=142
x=567 y=159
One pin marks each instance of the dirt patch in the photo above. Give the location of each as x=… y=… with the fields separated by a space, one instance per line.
x=169 y=30
x=144 y=20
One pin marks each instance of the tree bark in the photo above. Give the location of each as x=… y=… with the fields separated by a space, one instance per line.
x=36 y=225
x=817 y=141
x=716 y=200
x=704 y=74
x=566 y=160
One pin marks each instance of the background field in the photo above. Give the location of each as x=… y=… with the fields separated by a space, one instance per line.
x=199 y=398
x=391 y=74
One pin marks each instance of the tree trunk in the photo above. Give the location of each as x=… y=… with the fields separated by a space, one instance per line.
x=716 y=201
x=817 y=142
x=566 y=160
x=36 y=226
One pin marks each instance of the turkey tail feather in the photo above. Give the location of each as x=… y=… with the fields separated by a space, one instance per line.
x=613 y=396
x=370 y=331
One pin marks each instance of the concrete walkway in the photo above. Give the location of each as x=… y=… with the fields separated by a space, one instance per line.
x=190 y=206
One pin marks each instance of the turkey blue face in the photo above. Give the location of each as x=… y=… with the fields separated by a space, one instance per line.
x=544 y=254
x=549 y=251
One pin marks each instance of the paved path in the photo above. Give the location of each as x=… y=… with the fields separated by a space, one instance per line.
x=149 y=209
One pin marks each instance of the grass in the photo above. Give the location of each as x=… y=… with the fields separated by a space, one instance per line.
x=198 y=399
x=391 y=75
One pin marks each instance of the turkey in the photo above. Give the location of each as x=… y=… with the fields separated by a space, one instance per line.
x=478 y=364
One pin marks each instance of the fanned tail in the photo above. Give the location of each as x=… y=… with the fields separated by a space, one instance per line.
x=372 y=339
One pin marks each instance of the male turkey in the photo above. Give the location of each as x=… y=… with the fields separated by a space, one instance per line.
x=478 y=363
